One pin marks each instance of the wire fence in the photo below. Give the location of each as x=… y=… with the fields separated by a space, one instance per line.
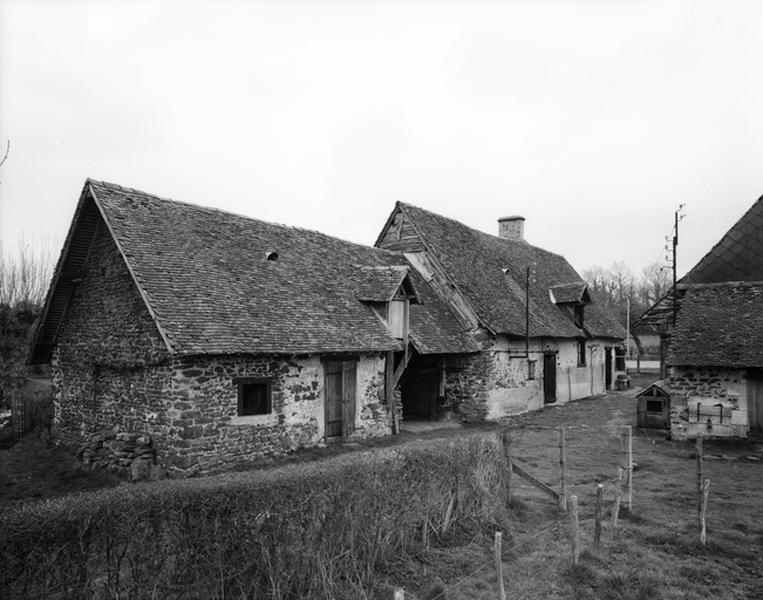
x=585 y=512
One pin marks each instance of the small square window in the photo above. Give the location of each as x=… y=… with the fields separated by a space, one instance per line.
x=531 y=369
x=253 y=397
x=581 y=353
x=654 y=406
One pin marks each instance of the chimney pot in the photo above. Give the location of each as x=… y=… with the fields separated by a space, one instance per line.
x=512 y=228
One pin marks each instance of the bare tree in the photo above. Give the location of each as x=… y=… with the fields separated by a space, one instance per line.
x=24 y=276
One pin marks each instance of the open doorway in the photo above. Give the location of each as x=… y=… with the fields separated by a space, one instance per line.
x=421 y=388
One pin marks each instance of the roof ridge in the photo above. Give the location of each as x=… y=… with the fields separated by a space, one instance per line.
x=129 y=190
x=524 y=243
x=719 y=284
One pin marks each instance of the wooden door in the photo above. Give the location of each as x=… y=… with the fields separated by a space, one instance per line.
x=608 y=367
x=348 y=396
x=549 y=378
x=755 y=404
x=340 y=383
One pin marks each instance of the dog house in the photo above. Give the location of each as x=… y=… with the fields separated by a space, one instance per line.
x=653 y=408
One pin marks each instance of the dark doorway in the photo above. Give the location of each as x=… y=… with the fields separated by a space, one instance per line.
x=420 y=387
x=340 y=397
x=755 y=404
x=549 y=378
x=608 y=367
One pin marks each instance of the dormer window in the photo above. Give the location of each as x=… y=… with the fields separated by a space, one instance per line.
x=571 y=298
x=389 y=292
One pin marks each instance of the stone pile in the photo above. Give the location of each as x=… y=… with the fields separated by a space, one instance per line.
x=128 y=455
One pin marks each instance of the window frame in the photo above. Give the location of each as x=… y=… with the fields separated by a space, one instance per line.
x=241 y=382
x=582 y=362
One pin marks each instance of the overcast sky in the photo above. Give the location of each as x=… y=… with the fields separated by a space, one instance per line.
x=593 y=119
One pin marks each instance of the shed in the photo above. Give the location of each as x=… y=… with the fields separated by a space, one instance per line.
x=653 y=408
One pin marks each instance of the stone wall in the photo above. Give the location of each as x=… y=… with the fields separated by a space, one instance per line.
x=206 y=434
x=110 y=365
x=128 y=455
x=466 y=386
x=496 y=382
x=707 y=401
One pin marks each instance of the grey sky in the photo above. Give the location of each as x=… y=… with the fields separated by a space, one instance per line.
x=594 y=119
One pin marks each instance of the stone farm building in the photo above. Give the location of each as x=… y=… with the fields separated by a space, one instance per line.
x=541 y=338
x=201 y=339
x=715 y=350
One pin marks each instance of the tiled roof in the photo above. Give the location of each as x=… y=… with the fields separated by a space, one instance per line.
x=719 y=326
x=491 y=271
x=738 y=256
x=663 y=385
x=205 y=276
x=433 y=329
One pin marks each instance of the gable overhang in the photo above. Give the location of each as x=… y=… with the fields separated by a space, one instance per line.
x=432 y=257
x=388 y=223
x=69 y=271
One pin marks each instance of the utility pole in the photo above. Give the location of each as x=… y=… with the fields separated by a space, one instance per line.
x=627 y=327
x=678 y=217
x=666 y=328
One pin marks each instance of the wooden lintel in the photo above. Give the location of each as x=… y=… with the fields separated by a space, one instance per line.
x=536 y=482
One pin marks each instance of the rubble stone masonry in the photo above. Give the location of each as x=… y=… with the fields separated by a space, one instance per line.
x=708 y=401
x=115 y=383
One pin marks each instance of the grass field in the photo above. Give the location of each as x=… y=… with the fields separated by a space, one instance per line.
x=655 y=553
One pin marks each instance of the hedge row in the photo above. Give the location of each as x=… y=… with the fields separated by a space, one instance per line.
x=316 y=530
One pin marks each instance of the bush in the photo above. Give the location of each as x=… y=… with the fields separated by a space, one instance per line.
x=16 y=324
x=319 y=530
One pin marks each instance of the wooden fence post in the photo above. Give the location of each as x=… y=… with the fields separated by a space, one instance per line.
x=703 y=512
x=562 y=470
x=509 y=467
x=618 y=499
x=627 y=443
x=597 y=524
x=698 y=446
x=575 y=531
x=499 y=565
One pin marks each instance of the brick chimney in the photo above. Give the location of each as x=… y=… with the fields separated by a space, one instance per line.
x=512 y=228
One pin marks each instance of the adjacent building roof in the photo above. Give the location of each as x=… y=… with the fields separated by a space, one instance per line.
x=738 y=256
x=491 y=273
x=719 y=325
x=219 y=283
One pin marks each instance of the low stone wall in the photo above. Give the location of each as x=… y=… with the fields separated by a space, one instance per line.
x=125 y=454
